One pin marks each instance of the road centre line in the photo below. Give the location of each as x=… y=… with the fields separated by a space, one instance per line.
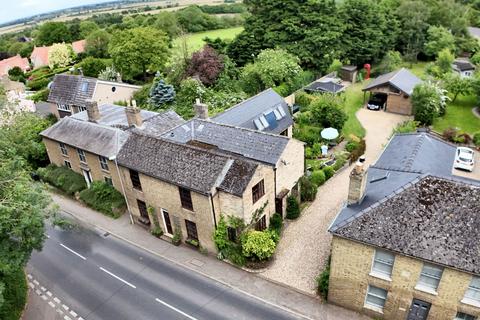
x=175 y=309
x=72 y=251
x=118 y=278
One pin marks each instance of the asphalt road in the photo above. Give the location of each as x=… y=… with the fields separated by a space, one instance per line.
x=105 y=278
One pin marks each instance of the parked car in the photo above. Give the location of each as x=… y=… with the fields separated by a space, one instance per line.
x=376 y=102
x=464 y=159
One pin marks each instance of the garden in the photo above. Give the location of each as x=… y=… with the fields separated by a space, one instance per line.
x=100 y=196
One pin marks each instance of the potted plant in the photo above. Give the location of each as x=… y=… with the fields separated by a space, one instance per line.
x=177 y=237
x=193 y=242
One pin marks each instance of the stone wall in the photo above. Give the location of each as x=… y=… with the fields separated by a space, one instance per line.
x=350 y=276
x=291 y=166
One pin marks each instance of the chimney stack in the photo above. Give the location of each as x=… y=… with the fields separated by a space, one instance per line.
x=134 y=117
x=201 y=110
x=358 y=182
x=93 y=112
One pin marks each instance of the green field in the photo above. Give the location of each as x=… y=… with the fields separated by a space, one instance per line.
x=459 y=115
x=195 y=41
x=353 y=102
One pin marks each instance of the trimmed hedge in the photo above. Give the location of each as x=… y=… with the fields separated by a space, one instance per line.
x=15 y=295
x=318 y=177
x=104 y=198
x=293 y=208
x=63 y=178
x=329 y=172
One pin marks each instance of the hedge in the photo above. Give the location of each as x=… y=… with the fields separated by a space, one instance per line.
x=63 y=178
x=318 y=177
x=15 y=295
x=104 y=198
x=293 y=208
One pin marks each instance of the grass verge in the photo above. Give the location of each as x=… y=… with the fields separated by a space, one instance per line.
x=459 y=115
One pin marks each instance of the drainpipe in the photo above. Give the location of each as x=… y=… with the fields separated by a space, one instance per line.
x=213 y=210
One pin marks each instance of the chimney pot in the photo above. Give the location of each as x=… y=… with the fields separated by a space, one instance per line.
x=201 y=110
x=93 y=112
x=358 y=182
x=134 y=117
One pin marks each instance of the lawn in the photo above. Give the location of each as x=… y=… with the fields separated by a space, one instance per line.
x=417 y=68
x=459 y=114
x=353 y=102
x=195 y=40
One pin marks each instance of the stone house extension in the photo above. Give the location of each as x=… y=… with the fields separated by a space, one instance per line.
x=189 y=173
x=396 y=87
x=69 y=93
x=406 y=245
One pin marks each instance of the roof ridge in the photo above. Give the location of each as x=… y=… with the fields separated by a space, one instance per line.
x=246 y=100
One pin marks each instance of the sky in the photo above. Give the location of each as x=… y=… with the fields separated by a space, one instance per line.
x=16 y=9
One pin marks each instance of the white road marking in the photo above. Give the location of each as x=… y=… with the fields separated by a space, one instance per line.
x=56 y=300
x=74 y=314
x=175 y=309
x=60 y=312
x=29 y=276
x=51 y=304
x=75 y=253
x=67 y=318
x=38 y=292
x=36 y=282
x=43 y=289
x=49 y=294
x=118 y=278
x=44 y=298
x=31 y=285
x=65 y=307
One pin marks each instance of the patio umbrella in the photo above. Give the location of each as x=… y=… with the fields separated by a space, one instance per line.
x=329 y=133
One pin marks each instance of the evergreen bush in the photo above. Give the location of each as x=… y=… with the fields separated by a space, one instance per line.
x=104 y=198
x=308 y=190
x=293 y=208
x=318 y=177
x=329 y=172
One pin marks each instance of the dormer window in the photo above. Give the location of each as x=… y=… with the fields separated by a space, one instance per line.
x=84 y=86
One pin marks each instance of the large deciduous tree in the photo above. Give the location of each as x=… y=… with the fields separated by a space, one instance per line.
x=52 y=32
x=60 y=55
x=139 y=51
x=457 y=85
x=438 y=38
x=366 y=35
x=327 y=112
x=96 y=44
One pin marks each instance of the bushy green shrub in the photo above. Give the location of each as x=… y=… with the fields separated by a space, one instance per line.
x=14 y=295
x=358 y=152
x=157 y=231
x=476 y=139
x=308 y=134
x=63 y=178
x=220 y=235
x=304 y=100
x=308 y=190
x=407 y=127
x=322 y=281
x=352 y=145
x=38 y=84
x=104 y=198
x=340 y=159
x=276 y=222
x=293 y=208
x=329 y=172
x=233 y=252
x=258 y=245
x=274 y=235
x=41 y=95
x=318 y=177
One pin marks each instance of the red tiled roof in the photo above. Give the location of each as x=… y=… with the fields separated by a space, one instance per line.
x=79 y=46
x=16 y=61
x=40 y=53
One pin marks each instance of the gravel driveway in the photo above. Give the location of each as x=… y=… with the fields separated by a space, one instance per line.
x=305 y=243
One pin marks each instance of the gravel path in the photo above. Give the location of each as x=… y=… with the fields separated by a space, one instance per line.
x=305 y=244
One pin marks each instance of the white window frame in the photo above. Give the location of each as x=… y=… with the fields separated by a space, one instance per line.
x=467 y=298
x=378 y=273
x=64 y=107
x=63 y=149
x=463 y=317
x=373 y=306
x=282 y=112
x=258 y=124
x=264 y=121
x=277 y=114
x=425 y=287
x=81 y=155
x=67 y=164
x=103 y=163
x=82 y=108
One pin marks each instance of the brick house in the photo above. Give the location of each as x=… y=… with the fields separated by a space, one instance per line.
x=266 y=112
x=188 y=172
x=395 y=88
x=10 y=63
x=406 y=246
x=69 y=93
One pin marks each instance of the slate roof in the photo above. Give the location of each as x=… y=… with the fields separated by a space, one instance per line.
x=328 y=87
x=432 y=218
x=251 y=144
x=95 y=138
x=113 y=115
x=401 y=79
x=187 y=166
x=158 y=124
x=463 y=65
x=244 y=113
x=71 y=89
x=392 y=216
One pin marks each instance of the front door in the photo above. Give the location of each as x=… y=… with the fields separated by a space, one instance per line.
x=167 y=222
x=88 y=177
x=419 y=310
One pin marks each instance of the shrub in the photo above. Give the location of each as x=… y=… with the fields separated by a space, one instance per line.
x=157 y=231
x=340 y=159
x=352 y=145
x=308 y=134
x=318 y=177
x=304 y=100
x=41 y=95
x=63 y=178
x=258 y=245
x=462 y=137
x=220 y=235
x=358 y=152
x=91 y=67
x=38 y=84
x=274 y=235
x=407 y=127
x=276 y=222
x=177 y=237
x=233 y=252
x=308 y=190
x=14 y=295
x=322 y=281
x=476 y=139
x=104 y=198
x=293 y=209
x=449 y=134
x=309 y=153
x=329 y=172
x=327 y=112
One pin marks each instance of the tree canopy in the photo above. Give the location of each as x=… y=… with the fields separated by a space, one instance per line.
x=52 y=32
